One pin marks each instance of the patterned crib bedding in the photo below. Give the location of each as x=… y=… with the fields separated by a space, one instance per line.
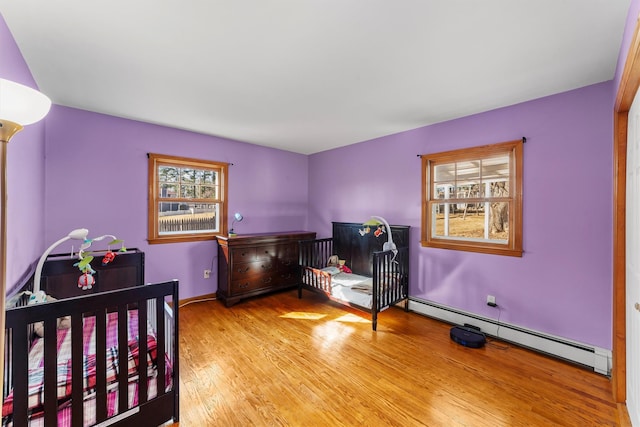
x=64 y=363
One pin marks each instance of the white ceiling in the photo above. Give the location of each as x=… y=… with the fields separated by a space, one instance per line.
x=311 y=75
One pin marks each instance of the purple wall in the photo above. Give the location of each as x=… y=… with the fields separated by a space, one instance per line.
x=562 y=284
x=25 y=174
x=96 y=178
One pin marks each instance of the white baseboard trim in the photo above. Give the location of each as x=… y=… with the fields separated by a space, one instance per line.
x=594 y=357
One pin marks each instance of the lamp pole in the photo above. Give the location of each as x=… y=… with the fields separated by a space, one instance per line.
x=3 y=245
x=19 y=106
x=4 y=141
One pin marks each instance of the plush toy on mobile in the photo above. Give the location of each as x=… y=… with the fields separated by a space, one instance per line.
x=86 y=280
x=108 y=257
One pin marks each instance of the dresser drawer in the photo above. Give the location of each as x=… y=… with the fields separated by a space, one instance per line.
x=274 y=280
x=243 y=255
x=288 y=252
x=252 y=283
x=287 y=264
x=266 y=252
x=248 y=269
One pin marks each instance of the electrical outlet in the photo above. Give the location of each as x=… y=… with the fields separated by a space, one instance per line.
x=491 y=300
x=207 y=274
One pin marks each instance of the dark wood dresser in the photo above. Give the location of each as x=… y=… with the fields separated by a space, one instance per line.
x=253 y=264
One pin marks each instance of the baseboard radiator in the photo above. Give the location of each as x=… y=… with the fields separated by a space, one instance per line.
x=599 y=359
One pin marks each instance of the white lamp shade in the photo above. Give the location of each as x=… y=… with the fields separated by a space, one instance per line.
x=21 y=104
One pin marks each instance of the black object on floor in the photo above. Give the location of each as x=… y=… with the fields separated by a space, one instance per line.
x=468 y=337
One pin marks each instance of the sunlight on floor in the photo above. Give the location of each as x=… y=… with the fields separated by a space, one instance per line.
x=303 y=315
x=352 y=318
x=331 y=336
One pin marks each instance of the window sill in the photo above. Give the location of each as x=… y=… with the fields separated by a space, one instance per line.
x=478 y=248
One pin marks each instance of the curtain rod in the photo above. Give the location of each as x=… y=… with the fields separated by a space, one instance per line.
x=524 y=140
x=149 y=154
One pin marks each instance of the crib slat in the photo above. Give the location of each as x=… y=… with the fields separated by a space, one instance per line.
x=8 y=365
x=77 y=411
x=50 y=372
x=375 y=301
x=20 y=375
x=174 y=324
x=101 y=365
x=123 y=364
x=142 y=352
x=161 y=337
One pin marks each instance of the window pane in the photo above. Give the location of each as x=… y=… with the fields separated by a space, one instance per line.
x=499 y=189
x=189 y=176
x=444 y=173
x=466 y=190
x=206 y=176
x=495 y=168
x=468 y=221
x=499 y=221
x=468 y=170
x=461 y=220
x=208 y=192
x=179 y=218
x=168 y=174
x=168 y=190
x=443 y=191
x=188 y=191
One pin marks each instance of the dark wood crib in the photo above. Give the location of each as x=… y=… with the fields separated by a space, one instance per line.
x=384 y=274
x=98 y=368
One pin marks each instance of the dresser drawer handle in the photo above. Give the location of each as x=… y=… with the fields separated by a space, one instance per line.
x=243 y=285
x=241 y=270
x=266 y=266
x=267 y=280
x=286 y=262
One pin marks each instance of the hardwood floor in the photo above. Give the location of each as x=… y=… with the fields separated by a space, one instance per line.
x=280 y=361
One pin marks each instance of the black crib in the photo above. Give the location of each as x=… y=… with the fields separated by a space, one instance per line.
x=364 y=255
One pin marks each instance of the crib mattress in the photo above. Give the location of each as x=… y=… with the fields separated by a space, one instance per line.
x=352 y=288
x=36 y=371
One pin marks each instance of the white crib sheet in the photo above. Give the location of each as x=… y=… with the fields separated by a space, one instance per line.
x=352 y=288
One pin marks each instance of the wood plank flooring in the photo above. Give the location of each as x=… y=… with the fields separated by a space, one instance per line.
x=276 y=360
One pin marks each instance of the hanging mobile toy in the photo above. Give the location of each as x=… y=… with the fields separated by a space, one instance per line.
x=108 y=257
x=379 y=231
x=86 y=280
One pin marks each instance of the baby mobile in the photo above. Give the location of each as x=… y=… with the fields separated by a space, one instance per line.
x=382 y=228
x=86 y=279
